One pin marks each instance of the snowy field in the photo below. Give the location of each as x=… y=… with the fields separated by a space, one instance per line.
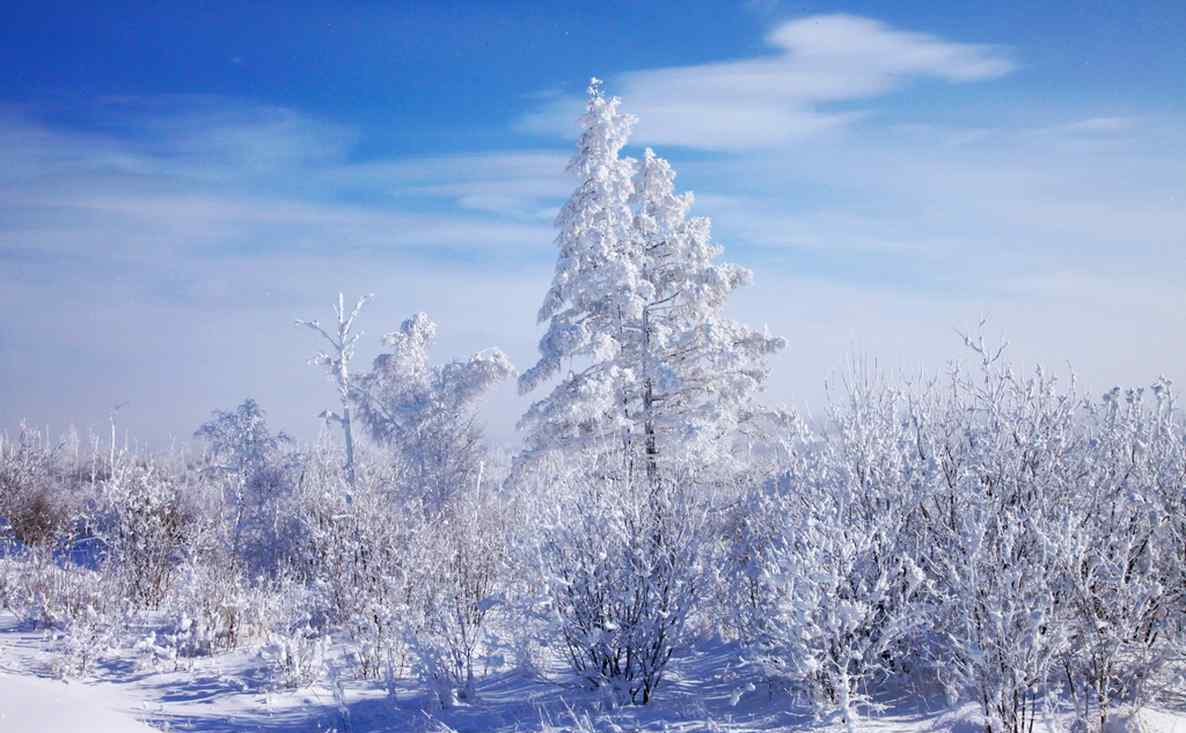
x=987 y=549
x=229 y=693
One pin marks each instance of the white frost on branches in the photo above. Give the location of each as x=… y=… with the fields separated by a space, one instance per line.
x=427 y=412
x=635 y=307
x=337 y=363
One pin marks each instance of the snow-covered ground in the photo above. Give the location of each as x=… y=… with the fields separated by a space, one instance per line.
x=30 y=703
x=706 y=692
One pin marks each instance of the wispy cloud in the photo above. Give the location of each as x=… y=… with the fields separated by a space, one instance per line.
x=1101 y=124
x=946 y=206
x=204 y=182
x=521 y=184
x=818 y=62
x=166 y=249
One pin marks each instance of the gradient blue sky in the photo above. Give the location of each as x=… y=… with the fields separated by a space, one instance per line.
x=177 y=184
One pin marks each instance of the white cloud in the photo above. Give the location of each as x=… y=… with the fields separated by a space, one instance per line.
x=770 y=100
x=211 y=181
x=946 y=206
x=521 y=184
x=1100 y=124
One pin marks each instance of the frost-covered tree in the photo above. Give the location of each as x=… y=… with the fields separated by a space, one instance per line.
x=239 y=440
x=635 y=313
x=337 y=363
x=251 y=472
x=426 y=412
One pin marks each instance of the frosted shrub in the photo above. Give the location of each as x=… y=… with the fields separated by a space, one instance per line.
x=1020 y=541
x=82 y=611
x=1124 y=568
x=462 y=559
x=255 y=481
x=622 y=566
x=835 y=589
x=10 y=585
x=37 y=506
x=426 y=413
x=378 y=642
x=50 y=594
x=297 y=647
x=352 y=540
x=145 y=527
x=83 y=639
x=1006 y=451
x=212 y=610
x=356 y=556
x=297 y=657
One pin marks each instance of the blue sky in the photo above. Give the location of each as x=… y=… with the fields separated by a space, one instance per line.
x=177 y=184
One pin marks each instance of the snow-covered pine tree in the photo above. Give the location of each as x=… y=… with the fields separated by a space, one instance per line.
x=637 y=301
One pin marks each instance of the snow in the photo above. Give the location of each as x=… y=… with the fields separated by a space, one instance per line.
x=708 y=690
x=50 y=706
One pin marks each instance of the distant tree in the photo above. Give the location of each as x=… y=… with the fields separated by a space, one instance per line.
x=426 y=412
x=637 y=302
x=239 y=440
x=253 y=476
x=337 y=363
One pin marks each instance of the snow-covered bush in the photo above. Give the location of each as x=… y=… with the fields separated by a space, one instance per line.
x=1006 y=451
x=409 y=586
x=621 y=564
x=356 y=551
x=10 y=585
x=143 y=529
x=255 y=480
x=39 y=501
x=994 y=530
x=1124 y=564
x=213 y=609
x=297 y=650
x=84 y=638
x=296 y=655
x=1049 y=524
x=81 y=610
x=831 y=590
x=458 y=582
x=50 y=593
